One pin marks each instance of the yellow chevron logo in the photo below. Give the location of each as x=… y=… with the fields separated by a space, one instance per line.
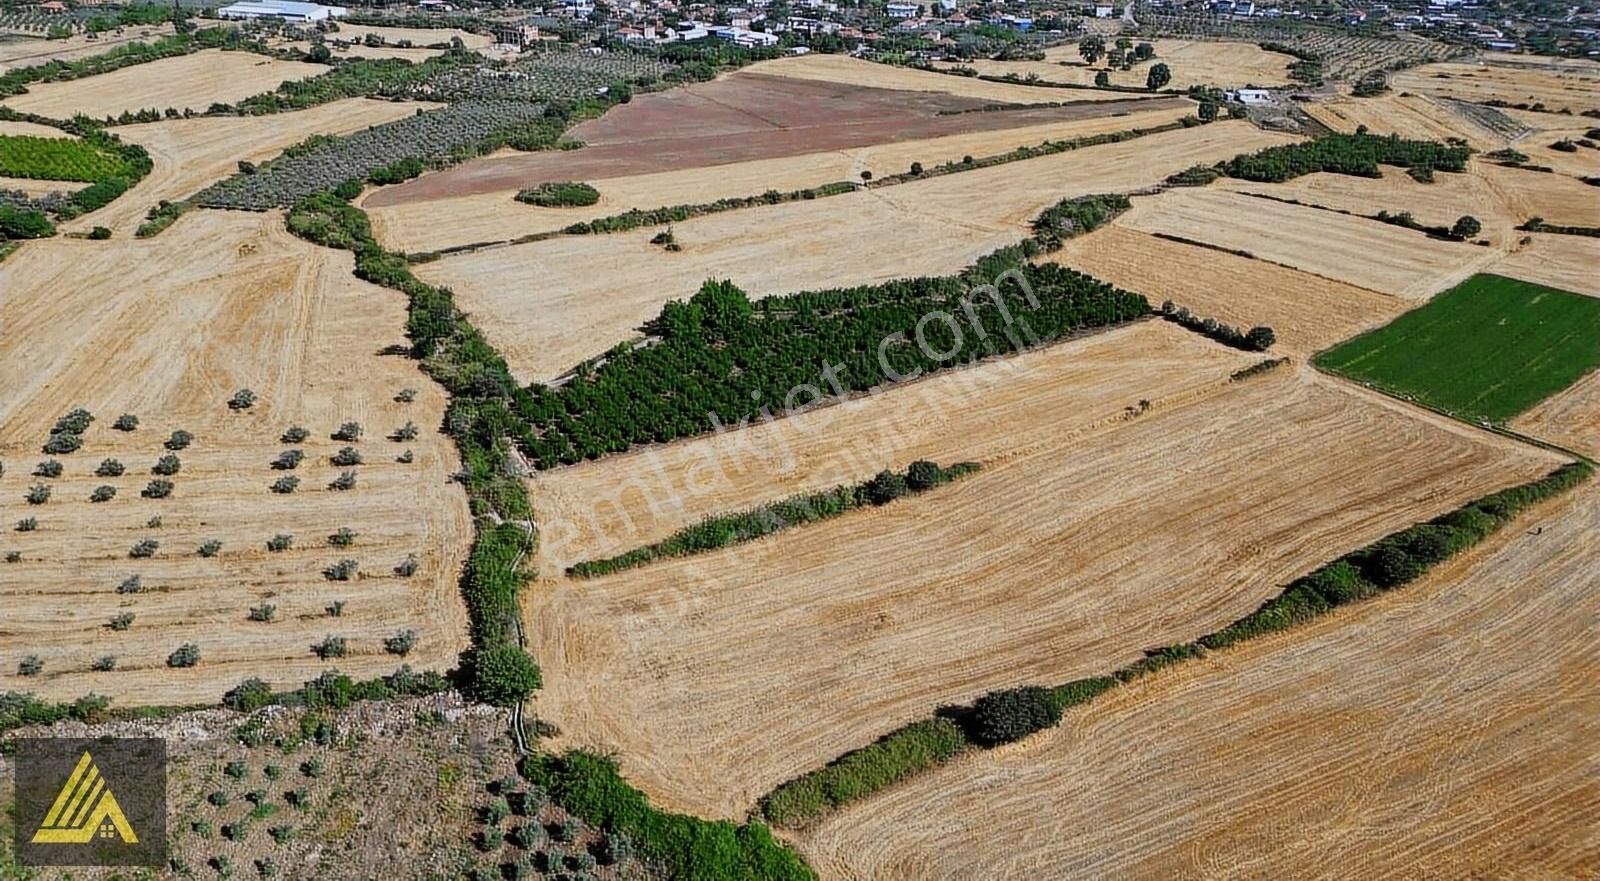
x=84 y=810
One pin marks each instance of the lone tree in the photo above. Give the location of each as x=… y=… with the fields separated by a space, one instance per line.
x=1466 y=227
x=502 y=675
x=1092 y=48
x=1102 y=78
x=1260 y=338
x=1159 y=76
x=1208 y=111
x=1004 y=716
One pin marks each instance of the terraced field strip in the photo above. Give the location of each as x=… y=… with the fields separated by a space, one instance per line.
x=1564 y=262
x=1353 y=250
x=548 y=305
x=1036 y=569
x=1307 y=312
x=1437 y=732
x=187 y=82
x=1488 y=349
x=1193 y=63
x=168 y=329
x=1575 y=89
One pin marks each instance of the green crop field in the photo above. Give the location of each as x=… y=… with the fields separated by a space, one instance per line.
x=1488 y=348
x=56 y=159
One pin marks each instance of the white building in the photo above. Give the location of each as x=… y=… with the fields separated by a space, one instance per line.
x=902 y=10
x=1250 y=96
x=283 y=10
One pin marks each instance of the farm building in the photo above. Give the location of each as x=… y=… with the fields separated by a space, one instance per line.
x=283 y=10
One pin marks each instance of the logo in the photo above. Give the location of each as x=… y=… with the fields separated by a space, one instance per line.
x=85 y=808
x=84 y=802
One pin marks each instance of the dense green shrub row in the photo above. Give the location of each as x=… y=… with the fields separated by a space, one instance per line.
x=19 y=223
x=560 y=194
x=721 y=530
x=1256 y=339
x=1074 y=217
x=1395 y=559
x=721 y=359
x=1537 y=224
x=335 y=690
x=482 y=401
x=684 y=848
x=1357 y=154
x=894 y=757
x=1011 y=714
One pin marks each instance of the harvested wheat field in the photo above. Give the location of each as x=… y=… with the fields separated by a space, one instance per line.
x=1354 y=250
x=188 y=82
x=1443 y=731
x=601 y=509
x=1438 y=204
x=547 y=305
x=1570 y=417
x=18 y=52
x=1556 y=197
x=167 y=330
x=1308 y=312
x=1036 y=569
x=1574 y=89
x=1565 y=262
x=1192 y=62
x=418 y=225
x=857 y=72
x=190 y=154
x=1415 y=116
x=711 y=124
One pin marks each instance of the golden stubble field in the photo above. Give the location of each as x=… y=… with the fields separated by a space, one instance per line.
x=31 y=52
x=548 y=305
x=1354 y=250
x=716 y=677
x=1307 y=312
x=194 y=81
x=1575 y=88
x=168 y=329
x=855 y=71
x=1444 y=731
x=440 y=223
x=1565 y=262
x=1192 y=62
x=188 y=155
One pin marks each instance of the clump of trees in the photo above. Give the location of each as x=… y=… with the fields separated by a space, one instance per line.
x=1353 y=154
x=1074 y=217
x=560 y=194
x=1012 y=714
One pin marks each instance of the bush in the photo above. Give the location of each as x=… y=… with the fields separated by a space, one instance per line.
x=401 y=643
x=330 y=647
x=502 y=675
x=285 y=485
x=49 y=468
x=38 y=494
x=280 y=542
x=346 y=457
x=144 y=548
x=120 y=621
x=103 y=493
x=886 y=487
x=243 y=399
x=560 y=194
x=346 y=480
x=157 y=489
x=349 y=432
x=1260 y=338
x=288 y=460
x=30 y=666
x=344 y=570
x=251 y=694
x=109 y=468
x=1466 y=227
x=263 y=613
x=180 y=440
x=62 y=444
x=18 y=223
x=131 y=584
x=167 y=465
x=186 y=655
x=1012 y=714
x=126 y=422
x=104 y=664
x=295 y=435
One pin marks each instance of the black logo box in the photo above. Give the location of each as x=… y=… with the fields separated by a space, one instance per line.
x=134 y=770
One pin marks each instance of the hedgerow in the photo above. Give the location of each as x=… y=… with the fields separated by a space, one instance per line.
x=721 y=530
x=1010 y=714
x=684 y=848
x=483 y=397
